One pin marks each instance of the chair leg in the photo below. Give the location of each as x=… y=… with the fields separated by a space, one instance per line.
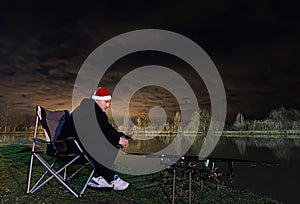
x=55 y=174
x=32 y=156
x=30 y=173
x=65 y=173
x=37 y=185
x=86 y=183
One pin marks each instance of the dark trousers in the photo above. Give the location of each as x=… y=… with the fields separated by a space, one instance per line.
x=100 y=170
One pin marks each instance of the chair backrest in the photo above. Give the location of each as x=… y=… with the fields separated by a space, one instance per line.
x=51 y=121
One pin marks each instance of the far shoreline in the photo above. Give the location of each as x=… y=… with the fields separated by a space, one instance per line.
x=225 y=133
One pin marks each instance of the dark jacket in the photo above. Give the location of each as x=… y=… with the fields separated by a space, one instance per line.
x=69 y=130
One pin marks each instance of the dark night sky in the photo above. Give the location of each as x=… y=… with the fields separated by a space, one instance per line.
x=255 y=46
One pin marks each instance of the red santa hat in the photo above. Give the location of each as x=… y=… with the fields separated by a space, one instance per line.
x=101 y=94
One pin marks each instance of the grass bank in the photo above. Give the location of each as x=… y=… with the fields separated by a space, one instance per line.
x=155 y=188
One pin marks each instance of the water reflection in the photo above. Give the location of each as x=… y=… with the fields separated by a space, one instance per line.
x=268 y=165
x=16 y=138
x=252 y=147
x=259 y=148
x=282 y=147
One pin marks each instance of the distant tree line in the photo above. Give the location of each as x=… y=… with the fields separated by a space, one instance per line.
x=199 y=120
x=11 y=121
x=278 y=119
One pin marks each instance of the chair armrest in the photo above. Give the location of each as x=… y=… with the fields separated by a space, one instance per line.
x=51 y=142
x=64 y=140
x=40 y=140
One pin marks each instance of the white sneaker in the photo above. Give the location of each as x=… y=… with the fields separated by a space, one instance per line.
x=99 y=183
x=119 y=184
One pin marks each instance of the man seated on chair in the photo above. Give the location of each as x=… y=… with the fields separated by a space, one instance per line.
x=104 y=178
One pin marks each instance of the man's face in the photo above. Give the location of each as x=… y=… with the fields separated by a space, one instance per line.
x=103 y=104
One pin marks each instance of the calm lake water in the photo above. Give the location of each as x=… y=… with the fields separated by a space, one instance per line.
x=278 y=178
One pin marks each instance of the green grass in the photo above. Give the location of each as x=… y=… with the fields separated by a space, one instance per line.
x=155 y=188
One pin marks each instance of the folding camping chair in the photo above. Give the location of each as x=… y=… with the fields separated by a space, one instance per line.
x=51 y=122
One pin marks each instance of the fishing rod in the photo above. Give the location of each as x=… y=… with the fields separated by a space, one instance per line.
x=185 y=163
x=203 y=169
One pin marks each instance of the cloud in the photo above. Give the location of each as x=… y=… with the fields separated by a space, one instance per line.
x=253 y=44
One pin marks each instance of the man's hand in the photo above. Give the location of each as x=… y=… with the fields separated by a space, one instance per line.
x=123 y=142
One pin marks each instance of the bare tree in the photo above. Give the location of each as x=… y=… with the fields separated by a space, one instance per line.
x=11 y=120
x=4 y=117
x=15 y=120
